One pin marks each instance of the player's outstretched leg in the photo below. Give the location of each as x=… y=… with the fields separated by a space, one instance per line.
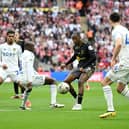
x=25 y=100
x=53 y=91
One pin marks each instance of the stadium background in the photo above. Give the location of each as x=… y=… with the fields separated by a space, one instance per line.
x=50 y=23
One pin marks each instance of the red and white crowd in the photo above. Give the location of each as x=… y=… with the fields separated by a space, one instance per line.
x=51 y=30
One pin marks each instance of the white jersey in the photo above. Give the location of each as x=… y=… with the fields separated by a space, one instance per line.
x=28 y=74
x=27 y=65
x=121 y=32
x=10 y=55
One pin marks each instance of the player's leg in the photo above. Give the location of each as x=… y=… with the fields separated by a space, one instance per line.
x=84 y=76
x=25 y=98
x=79 y=98
x=22 y=91
x=74 y=74
x=122 y=86
x=16 y=91
x=121 y=75
x=1 y=80
x=108 y=97
x=111 y=77
x=53 y=92
x=3 y=75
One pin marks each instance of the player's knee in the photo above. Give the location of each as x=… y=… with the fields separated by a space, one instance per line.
x=29 y=90
x=106 y=81
x=81 y=81
x=121 y=88
x=1 y=81
x=67 y=81
x=102 y=83
x=53 y=81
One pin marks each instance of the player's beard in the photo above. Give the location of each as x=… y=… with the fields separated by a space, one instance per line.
x=10 y=42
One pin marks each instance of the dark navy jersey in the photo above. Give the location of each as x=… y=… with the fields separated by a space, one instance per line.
x=85 y=54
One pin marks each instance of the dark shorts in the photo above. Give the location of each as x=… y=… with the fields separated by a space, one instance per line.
x=89 y=71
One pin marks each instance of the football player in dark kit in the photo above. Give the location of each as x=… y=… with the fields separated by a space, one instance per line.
x=86 y=56
x=20 y=42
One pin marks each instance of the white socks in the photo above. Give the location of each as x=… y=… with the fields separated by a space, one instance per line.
x=53 y=91
x=125 y=92
x=109 y=97
x=25 y=98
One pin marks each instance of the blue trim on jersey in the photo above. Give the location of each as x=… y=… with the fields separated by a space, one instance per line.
x=127 y=39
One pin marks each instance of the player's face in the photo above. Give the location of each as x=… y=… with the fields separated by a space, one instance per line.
x=111 y=23
x=10 y=38
x=76 y=40
x=16 y=37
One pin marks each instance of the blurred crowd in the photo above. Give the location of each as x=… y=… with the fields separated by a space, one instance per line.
x=27 y=3
x=51 y=30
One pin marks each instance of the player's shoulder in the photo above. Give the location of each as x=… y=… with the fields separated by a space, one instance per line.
x=119 y=29
x=88 y=45
x=3 y=45
x=17 y=46
x=29 y=53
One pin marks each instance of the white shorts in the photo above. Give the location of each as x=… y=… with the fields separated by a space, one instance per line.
x=11 y=74
x=37 y=80
x=119 y=73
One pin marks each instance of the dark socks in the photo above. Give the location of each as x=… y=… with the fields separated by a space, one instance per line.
x=16 y=88
x=79 y=98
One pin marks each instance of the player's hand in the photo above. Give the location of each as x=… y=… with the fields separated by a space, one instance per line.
x=4 y=66
x=82 y=70
x=113 y=62
x=63 y=66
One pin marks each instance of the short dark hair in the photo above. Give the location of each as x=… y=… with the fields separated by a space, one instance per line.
x=75 y=34
x=10 y=32
x=29 y=45
x=115 y=17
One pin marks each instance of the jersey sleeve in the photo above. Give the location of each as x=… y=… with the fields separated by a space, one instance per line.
x=116 y=35
x=1 y=56
x=20 y=58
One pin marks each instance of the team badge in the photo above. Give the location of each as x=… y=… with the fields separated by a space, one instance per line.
x=14 y=49
x=90 y=47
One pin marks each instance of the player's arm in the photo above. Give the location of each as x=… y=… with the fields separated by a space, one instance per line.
x=4 y=66
x=19 y=58
x=0 y=57
x=118 y=43
x=71 y=59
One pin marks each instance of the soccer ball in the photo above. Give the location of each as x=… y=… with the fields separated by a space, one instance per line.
x=63 y=88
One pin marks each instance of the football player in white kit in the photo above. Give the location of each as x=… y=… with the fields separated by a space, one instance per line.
x=10 y=56
x=119 y=65
x=29 y=78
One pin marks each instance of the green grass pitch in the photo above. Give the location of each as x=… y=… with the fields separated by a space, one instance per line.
x=43 y=117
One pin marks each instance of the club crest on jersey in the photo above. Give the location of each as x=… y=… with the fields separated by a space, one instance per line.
x=82 y=52
x=14 y=49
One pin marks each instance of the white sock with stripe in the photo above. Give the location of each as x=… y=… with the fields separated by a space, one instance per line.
x=109 y=97
x=53 y=91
